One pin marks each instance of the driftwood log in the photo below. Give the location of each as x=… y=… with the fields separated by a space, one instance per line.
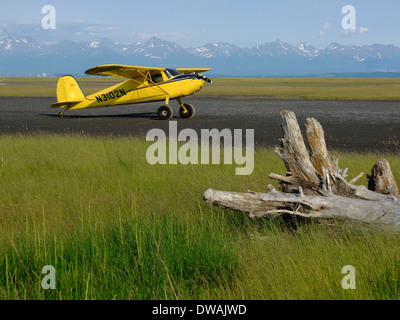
x=314 y=186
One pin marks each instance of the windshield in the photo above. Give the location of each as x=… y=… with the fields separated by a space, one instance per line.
x=171 y=73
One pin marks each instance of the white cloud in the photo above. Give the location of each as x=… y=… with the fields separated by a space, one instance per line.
x=73 y=30
x=324 y=28
x=349 y=32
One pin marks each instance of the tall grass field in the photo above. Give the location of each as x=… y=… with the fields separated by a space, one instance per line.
x=115 y=227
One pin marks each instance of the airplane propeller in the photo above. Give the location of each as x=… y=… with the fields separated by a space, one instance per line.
x=201 y=77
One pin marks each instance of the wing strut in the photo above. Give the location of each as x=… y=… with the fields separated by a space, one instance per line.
x=148 y=77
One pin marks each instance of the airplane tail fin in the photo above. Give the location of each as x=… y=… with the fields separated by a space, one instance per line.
x=68 y=92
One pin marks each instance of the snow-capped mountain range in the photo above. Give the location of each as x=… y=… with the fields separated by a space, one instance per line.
x=24 y=56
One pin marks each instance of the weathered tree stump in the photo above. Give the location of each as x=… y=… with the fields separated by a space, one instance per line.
x=381 y=179
x=314 y=186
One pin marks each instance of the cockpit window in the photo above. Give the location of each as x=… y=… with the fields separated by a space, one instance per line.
x=171 y=73
x=157 y=78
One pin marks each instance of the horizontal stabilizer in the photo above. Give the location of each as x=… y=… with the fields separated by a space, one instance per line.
x=64 y=104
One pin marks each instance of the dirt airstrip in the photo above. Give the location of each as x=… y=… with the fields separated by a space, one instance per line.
x=349 y=125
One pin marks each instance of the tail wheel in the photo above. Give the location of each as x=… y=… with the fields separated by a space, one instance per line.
x=188 y=113
x=164 y=113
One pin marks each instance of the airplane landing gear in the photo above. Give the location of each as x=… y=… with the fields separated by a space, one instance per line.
x=60 y=114
x=164 y=113
x=186 y=111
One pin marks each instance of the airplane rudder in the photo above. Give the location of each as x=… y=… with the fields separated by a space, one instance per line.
x=68 y=89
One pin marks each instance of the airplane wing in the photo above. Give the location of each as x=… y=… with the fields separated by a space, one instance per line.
x=191 y=70
x=118 y=70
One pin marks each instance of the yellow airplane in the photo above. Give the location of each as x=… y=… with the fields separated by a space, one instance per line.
x=143 y=85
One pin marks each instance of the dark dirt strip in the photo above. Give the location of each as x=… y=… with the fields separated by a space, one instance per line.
x=349 y=125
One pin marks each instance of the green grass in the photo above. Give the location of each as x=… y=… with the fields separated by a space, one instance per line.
x=307 y=88
x=265 y=88
x=115 y=227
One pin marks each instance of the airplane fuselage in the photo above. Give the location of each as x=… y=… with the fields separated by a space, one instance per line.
x=133 y=91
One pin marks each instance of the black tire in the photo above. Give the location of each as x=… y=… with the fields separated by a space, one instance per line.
x=164 y=113
x=189 y=113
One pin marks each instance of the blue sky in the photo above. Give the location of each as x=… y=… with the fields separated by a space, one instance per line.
x=193 y=23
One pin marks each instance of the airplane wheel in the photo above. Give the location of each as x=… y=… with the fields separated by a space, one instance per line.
x=164 y=113
x=189 y=111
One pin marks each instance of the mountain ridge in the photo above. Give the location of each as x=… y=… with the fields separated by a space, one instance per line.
x=25 y=56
